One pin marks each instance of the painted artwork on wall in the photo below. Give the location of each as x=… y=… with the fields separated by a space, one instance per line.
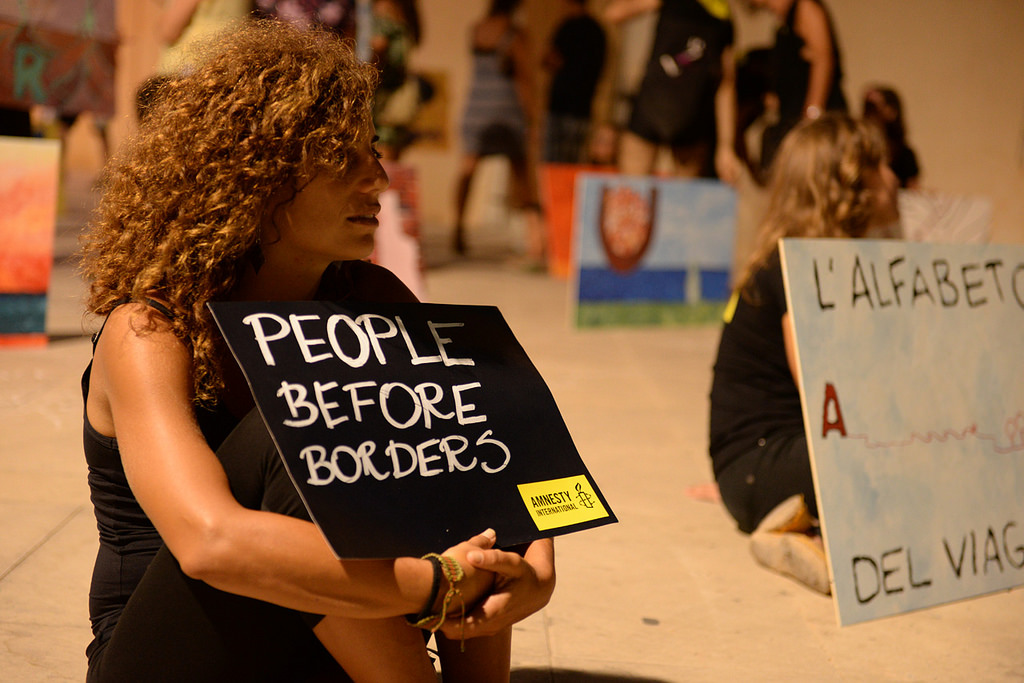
x=28 y=218
x=60 y=54
x=913 y=396
x=652 y=251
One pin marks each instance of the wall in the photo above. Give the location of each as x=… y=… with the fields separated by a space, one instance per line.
x=959 y=68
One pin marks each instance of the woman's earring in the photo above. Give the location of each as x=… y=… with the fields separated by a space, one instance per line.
x=255 y=256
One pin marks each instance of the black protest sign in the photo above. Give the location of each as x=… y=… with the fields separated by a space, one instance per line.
x=407 y=428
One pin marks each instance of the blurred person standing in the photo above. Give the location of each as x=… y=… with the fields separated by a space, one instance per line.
x=807 y=68
x=575 y=58
x=498 y=118
x=687 y=98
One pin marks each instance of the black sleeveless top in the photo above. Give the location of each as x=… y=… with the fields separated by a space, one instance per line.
x=792 y=71
x=128 y=540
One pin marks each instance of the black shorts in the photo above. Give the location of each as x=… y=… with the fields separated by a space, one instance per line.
x=763 y=475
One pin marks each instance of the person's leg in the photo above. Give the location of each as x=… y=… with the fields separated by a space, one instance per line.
x=369 y=650
x=636 y=155
x=466 y=171
x=552 y=151
x=565 y=139
x=178 y=629
x=783 y=471
x=770 y=492
x=485 y=660
x=524 y=190
x=691 y=161
x=175 y=628
x=577 y=138
x=377 y=650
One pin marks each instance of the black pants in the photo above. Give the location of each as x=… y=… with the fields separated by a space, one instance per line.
x=764 y=476
x=178 y=629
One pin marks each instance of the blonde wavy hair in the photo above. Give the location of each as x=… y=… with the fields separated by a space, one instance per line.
x=182 y=202
x=817 y=186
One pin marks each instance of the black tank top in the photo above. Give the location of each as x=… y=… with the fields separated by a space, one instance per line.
x=793 y=71
x=128 y=540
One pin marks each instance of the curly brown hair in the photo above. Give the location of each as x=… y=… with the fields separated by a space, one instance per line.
x=817 y=186
x=183 y=201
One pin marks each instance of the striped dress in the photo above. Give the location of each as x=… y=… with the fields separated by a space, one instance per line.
x=493 y=121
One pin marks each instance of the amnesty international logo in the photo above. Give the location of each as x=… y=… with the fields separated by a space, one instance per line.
x=561 y=502
x=584 y=498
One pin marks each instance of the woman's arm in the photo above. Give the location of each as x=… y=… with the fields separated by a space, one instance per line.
x=727 y=164
x=811 y=24
x=141 y=391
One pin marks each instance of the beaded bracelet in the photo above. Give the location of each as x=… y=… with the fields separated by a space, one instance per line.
x=435 y=587
x=454 y=573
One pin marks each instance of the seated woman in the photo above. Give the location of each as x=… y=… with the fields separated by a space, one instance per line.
x=829 y=180
x=254 y=177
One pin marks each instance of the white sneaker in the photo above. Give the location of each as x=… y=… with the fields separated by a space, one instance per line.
x=785 y=542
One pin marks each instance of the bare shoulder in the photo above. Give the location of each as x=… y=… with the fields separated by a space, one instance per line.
x=135 y=323
x=138 y=346
x=137 y=352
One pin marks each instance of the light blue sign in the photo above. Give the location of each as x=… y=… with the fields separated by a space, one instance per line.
x=652 y=250
x=912 y=380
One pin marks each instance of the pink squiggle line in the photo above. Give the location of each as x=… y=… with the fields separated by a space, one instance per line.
x=942 y=437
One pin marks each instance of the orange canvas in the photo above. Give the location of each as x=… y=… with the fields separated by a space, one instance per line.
x=558 y=183
x=28 y=216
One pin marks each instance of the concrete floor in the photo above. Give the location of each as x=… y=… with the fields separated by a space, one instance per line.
x=670 y=593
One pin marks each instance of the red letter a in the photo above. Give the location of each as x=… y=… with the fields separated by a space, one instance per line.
x=827 y=425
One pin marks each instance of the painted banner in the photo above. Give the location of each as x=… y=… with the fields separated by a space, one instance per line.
x=58 y=53
x=913 y=395
x=28 y=220
x=652 y=250
x=408 y=428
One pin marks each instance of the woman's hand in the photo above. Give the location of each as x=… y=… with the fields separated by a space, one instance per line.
x=477 y=583
x=522 y=586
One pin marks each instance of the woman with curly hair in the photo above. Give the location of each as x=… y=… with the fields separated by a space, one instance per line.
x=829 y=180
x=254 y=177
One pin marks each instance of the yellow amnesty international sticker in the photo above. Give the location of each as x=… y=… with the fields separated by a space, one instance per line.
x=562 y=502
